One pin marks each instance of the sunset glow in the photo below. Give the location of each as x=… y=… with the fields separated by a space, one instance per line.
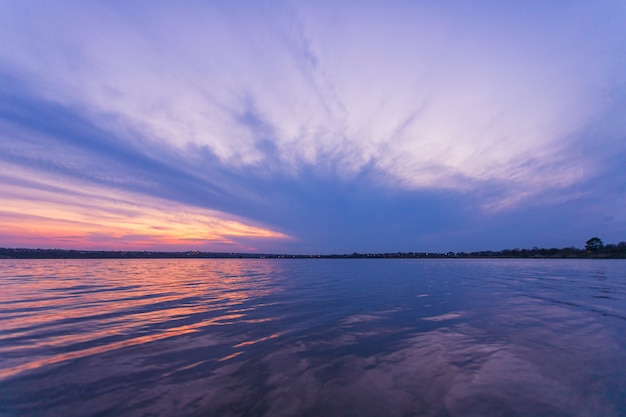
x=97 y=217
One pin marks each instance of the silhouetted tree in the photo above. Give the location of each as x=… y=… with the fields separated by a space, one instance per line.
x=594 y=244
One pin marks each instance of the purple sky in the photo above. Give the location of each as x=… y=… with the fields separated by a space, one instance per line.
x=312 y=127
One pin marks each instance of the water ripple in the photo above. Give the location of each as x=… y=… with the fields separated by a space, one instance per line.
x=312 y=338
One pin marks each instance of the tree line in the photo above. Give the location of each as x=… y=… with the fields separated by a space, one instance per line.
x=594 y=248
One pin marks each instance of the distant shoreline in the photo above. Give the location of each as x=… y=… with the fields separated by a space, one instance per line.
x=609 y=252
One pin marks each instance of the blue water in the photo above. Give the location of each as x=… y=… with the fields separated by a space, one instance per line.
x=312 y=337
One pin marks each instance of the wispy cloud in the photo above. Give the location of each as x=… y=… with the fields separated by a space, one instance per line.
x=46 y=211
x=273 y=110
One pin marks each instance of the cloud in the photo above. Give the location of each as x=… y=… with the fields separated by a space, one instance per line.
x=303 y=117
x=427 y=94
x=48 y=211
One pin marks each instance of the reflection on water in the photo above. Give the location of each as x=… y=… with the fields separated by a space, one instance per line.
x=312 y=338
x=61 y=310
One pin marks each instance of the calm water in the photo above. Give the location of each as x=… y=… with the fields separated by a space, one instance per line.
x=312 y=338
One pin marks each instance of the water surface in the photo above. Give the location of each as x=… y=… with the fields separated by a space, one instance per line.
x=317 y=337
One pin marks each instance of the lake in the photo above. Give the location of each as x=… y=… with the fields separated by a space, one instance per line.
x=318 y=337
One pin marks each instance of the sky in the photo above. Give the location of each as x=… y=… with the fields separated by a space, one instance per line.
x=312 y=127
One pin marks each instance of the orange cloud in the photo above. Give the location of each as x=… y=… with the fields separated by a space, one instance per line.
x=67 y=215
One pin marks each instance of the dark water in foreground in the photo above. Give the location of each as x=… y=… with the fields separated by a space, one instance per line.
x=312 y=338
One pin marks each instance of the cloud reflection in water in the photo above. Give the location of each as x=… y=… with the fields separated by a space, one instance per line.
x=313 y=338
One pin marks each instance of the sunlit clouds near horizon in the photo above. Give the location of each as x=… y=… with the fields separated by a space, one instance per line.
x=313 y=126
x=49 y=213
